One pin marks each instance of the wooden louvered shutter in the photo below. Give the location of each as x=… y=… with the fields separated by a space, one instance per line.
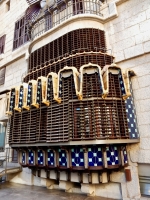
x=2 y=44
x=2 y=75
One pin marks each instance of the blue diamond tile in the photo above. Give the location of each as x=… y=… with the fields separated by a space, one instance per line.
x=38 y=97
x=62 y=158
x=50 y=158
x=95 y=156
x=20 y=97
x=121 y=84
x=12 y=100
x=23 y=158
x=77 y=156
x=112 y=155
x=31 y=157
x=40 y=157
x=131 y=116
x=29 y=97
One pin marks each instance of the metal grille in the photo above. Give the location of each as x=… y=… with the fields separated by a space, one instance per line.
x=93 y=118
x=96 y=119
x=78 y=41
x=74 y=60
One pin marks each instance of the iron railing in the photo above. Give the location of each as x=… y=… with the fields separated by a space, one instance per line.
x=60 y=12
x=8 y=164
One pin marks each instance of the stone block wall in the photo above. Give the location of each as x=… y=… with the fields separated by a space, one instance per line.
x=128 y=32
x=13 y=60
x=7 y=20
x=129 y=39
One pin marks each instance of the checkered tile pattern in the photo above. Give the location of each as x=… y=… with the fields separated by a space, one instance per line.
x=112 y=155
x=31 y=157
x=125 y=156
x=100 y=84
x=95 y=156
x=40 y=157
x=23 y=158
x=12 y=101
x=77 y=157
x=20 y=97
x=121 y=84
x=50 y=157
x=62 y=158
x=38 y=92
x=29 y=97
x=49 y=88
x=60 y=86
x=131 y=117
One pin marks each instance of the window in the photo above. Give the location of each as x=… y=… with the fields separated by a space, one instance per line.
x=2 y=44
x=2 y=76
x=20 y=33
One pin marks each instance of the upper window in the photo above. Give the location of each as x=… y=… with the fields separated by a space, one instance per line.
x=2 y=44
x=20 y=33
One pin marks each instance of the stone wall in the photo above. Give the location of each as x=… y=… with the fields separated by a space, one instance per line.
x=7 y=22
x=129 y=32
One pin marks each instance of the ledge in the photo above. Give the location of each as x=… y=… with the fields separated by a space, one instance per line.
x=85 y=142
x=69 y=21
x=4 y=119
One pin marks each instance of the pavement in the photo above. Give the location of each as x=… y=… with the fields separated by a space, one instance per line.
x=13 y=191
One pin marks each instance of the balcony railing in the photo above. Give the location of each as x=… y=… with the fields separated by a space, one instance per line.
x=60 y=12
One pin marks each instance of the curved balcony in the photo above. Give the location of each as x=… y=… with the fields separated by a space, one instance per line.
x=89 y=106
x=62 y=11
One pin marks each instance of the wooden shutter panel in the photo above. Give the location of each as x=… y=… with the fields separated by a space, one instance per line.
x=2 y=44
x=2 y=76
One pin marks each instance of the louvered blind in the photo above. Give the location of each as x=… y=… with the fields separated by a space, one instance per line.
x=2 y=44
x=20 y=33
x=2 y=75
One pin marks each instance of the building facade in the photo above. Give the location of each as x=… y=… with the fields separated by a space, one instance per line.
x=74 y=86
